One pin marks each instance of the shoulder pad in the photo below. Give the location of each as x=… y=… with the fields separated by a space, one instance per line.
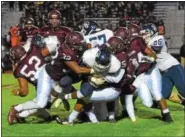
x=115 y=65
x=89 y=56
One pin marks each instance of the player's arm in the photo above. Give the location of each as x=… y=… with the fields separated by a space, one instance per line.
x=73 y=65
x=23 y=88
x=148 y=51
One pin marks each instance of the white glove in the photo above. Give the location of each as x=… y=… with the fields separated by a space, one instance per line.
x=57 y=102
x=97 y=81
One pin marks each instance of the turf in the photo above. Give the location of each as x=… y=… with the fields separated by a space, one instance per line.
x=148 y=122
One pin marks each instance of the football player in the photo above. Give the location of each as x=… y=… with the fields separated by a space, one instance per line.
x=166 y=63
x=27 y=63
x=95 y=35
x=65 y=59
x=146 y=71
x=108 y=70
x=54 y=28
x=118 y=47
x=25 y=66
x=29 y=31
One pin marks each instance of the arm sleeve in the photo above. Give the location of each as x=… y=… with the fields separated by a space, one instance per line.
x=115 y=78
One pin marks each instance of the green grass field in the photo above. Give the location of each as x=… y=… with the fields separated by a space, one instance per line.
x=147 y=122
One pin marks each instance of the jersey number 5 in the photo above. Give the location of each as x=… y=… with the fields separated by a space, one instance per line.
x=26 y=72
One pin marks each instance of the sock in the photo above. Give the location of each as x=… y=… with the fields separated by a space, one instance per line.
x=165 y=111
x=91 y=116
x=27 y=105
x=27 y=113
x=73 y=116
x=68 y=96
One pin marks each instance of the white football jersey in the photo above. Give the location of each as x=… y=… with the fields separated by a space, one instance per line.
x=164 y=59
x=99 y=38
x=89 y=60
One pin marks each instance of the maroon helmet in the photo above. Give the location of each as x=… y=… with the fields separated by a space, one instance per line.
x=29 y=21
x=54 y=17
x=17 y=53
x=121 y=32
x=75 y=40
x=133 y=31
x=116 y=44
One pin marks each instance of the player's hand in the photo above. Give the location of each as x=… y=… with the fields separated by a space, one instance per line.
x=96 y=81
x=15 y=92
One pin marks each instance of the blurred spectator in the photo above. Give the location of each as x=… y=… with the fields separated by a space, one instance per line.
x=11 y=5
x=161 y=27
x=74 y=12
x=14 y=35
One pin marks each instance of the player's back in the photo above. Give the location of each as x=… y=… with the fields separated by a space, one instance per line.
x=99 y=38
x=29 y=65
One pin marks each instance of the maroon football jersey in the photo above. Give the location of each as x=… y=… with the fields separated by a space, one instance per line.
x=26 y=33
x=60 y=32
x=57 y=69
x=123 y=58
x=138 y=45
x=29 y=65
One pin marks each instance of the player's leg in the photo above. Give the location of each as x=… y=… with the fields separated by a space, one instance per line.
x=100 y=110
x=178 y=78
x=89 y=112
x=107 y=94
x=86 y=89
x=74 y=114
x=44 y=88
x=143 y=91
x=155 y=84
x=111 y=111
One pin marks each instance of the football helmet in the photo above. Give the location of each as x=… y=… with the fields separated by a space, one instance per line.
x=17 y=54
x=133 y=31
x=54 y=17
x=116 y=45
x=102 y=60
x=75 y=40
x=29 y=22
x=89 y=27
x=148 y=32
x=121 y=32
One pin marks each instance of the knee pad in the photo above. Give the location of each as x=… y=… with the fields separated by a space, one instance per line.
x=65 y=82
x=86 y=89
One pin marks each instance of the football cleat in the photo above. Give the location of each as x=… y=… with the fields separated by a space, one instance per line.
x=167 y=118
x=12 y=115
x=112 y=120
x=63 y=122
